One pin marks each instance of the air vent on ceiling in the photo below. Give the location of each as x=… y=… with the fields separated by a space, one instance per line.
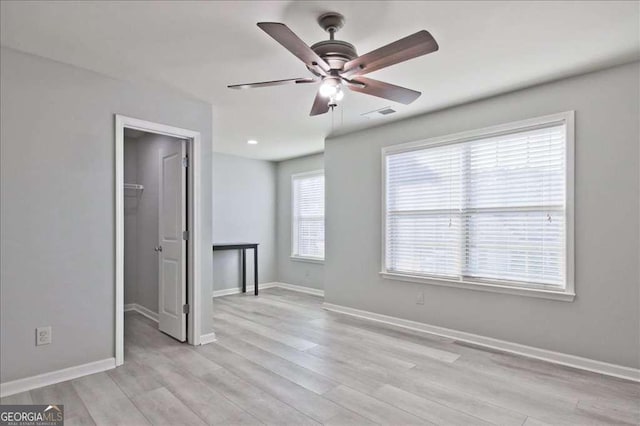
x=381 y=111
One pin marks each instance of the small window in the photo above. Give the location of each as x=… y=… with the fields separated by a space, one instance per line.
x=487 y=208
x=308 y=216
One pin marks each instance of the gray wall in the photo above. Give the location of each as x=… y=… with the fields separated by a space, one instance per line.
x=603 y=322
x=57 y=207
x=244 y=197
x=290 y=271
x=142 y=219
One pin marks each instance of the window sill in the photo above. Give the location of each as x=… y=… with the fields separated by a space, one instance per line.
x=307 y=259
x=495 y=288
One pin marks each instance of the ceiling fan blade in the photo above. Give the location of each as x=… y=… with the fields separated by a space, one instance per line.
x=272 y=83
x=320 y=105
x=287 y=38
x=410 y=47
x=383 y=90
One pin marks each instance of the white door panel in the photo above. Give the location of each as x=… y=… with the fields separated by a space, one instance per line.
x=172 y=220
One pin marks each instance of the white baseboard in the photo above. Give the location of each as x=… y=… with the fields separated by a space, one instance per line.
x=46 y=379
x=268 y=285
x=226 y=292
x=153 y=316
x=208 y=338
x=503 y=345
x=292 y=287
x=301 y=289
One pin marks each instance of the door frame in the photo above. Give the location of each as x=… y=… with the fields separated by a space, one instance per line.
x=194 y=283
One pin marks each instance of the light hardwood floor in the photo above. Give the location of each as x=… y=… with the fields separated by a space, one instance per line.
x=281 y=359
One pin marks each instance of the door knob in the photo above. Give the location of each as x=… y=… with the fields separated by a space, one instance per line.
x=158 y=248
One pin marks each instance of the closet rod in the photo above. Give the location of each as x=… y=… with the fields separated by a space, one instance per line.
x=133 y=186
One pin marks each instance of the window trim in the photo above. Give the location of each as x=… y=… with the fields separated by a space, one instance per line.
x=294 y=255
x=534 y=290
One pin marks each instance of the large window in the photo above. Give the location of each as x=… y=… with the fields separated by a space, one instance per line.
x=490 y=209
x=308 y=216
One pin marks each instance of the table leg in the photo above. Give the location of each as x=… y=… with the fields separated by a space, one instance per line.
x=244 y=270
x=255 y=270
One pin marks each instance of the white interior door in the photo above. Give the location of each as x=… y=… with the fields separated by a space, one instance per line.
x=172 y=220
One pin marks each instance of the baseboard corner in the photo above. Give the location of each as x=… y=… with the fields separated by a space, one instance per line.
x=208 y=338
x=146 y=312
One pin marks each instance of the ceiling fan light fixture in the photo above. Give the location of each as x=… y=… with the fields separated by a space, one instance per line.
x=330 y=87
x=339 y=95
x=328 y=90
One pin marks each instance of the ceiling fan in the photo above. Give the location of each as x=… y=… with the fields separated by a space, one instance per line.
x=336 y=63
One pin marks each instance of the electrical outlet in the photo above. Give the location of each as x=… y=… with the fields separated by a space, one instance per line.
x=420 y=299
x=43 y=335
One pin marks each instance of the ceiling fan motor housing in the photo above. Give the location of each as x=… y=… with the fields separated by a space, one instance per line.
x=335 y=52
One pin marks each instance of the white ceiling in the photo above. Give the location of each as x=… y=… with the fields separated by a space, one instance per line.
x=200 y=47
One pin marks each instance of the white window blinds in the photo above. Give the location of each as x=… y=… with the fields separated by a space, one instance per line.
x=488 y=209
x=308 y=215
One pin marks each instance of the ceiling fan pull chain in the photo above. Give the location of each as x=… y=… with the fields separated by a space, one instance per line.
x=332 y=126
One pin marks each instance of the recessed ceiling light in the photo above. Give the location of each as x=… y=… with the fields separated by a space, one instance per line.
x=252 y=142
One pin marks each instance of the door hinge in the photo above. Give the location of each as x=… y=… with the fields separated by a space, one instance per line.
x=185 y=308
x=185 y=235
x=185 y=161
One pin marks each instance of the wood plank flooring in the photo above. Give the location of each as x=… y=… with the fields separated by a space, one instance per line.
x=281 y=359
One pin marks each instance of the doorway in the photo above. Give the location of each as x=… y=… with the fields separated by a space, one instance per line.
x=156 y=228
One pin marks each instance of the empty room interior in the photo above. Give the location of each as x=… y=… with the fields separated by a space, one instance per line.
x=320 y=212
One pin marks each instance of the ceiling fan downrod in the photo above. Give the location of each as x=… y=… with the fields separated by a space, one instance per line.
x=331 y=22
